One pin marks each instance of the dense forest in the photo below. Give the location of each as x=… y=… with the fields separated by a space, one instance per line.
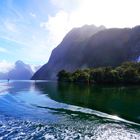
x=127 y=73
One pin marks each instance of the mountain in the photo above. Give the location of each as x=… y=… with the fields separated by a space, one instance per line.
x=91 y=46
x=21 y=71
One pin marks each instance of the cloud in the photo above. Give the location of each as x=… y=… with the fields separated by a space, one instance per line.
x=66 y=5
x=13 y=40
x=6 y=66
x=32 y=15
x=10 y=26
x=35 y=38
x=109 y=13
x=57 y=26
x=61 y=4
x=3 y=50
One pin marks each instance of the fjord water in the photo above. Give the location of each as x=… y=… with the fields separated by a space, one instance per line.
x=50 y=110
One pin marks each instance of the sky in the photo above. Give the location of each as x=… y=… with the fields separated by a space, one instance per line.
x=31 y=29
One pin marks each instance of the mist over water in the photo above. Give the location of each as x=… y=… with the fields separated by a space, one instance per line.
x=48 y=110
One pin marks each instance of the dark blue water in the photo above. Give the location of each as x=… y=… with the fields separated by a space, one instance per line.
x=48 y=110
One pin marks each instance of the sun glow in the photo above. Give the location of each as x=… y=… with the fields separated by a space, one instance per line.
x=48 y=21
x=110 y=13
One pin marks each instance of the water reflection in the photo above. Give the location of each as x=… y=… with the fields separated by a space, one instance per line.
x=121 y=101
x=44 y=110
x=17 y=86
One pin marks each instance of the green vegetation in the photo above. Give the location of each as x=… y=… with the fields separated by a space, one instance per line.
x=127 y=73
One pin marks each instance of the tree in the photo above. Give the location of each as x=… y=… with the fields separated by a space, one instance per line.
x=82 y=77
x=97 y=75
x=130 y=75
x=64 y=76
x=126 y=73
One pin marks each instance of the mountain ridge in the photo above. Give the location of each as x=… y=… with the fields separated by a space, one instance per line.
x=20 y=71
x=91 y=46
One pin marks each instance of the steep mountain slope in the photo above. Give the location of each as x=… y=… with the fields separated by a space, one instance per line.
x=91 y=46
x=21 y=71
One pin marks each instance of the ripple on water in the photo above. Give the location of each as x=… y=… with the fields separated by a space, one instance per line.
x=21 y=118
x=73 y=129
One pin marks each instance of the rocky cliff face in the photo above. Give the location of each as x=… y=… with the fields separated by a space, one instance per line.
x=91 y=46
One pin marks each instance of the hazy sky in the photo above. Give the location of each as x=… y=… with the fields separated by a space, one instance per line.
x=30 y=29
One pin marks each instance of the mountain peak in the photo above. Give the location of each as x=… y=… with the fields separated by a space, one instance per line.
x=20 y=71
x=91 y=46
x=19 y=62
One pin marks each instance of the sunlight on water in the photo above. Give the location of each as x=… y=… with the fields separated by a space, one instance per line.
x=46 y=110
x=115 y=117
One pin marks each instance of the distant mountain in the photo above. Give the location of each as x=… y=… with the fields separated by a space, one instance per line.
x=21 y=71
x=91 y=46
